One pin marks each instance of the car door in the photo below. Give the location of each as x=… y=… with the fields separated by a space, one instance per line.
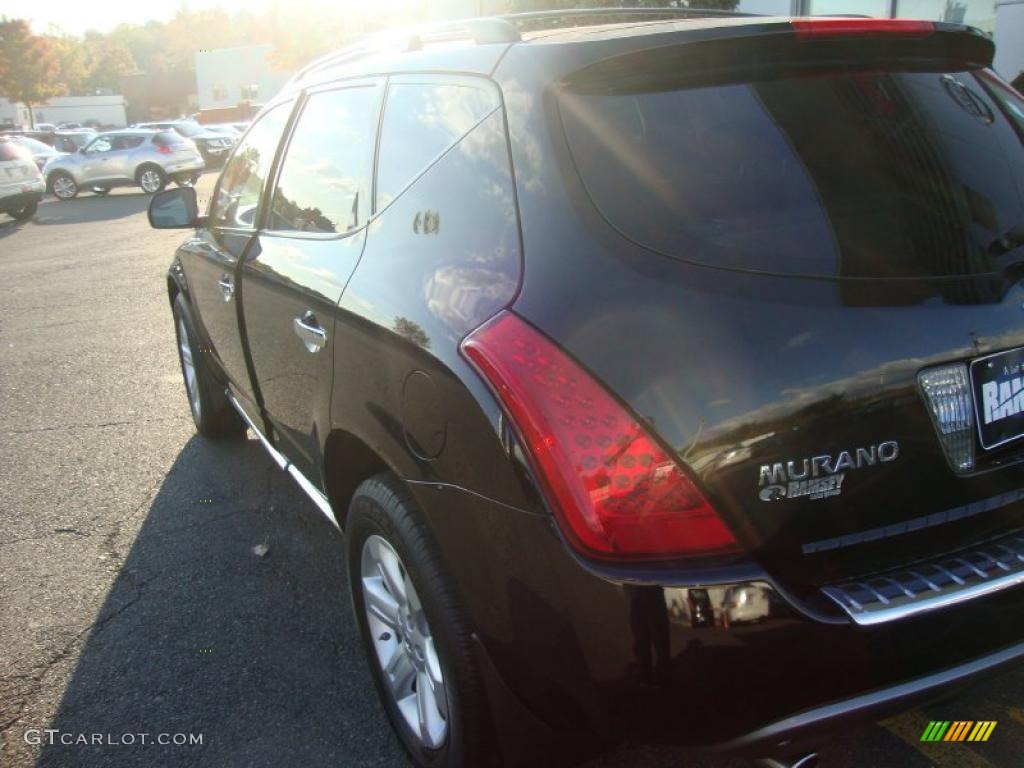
x=312 y=239
x=210 y=260
x=120 y=161
x=93 y=158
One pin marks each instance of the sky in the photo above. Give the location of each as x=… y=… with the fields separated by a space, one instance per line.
x=78 y=16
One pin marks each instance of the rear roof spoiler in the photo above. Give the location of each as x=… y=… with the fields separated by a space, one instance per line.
x=777 y=47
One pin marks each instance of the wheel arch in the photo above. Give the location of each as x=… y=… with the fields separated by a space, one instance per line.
x=173 y=289
x=53 y=172
x=347 y=462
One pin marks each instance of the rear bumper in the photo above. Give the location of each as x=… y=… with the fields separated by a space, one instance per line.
x=11 y=200
x=587 y=659
x=187 y=166
x=803 y=732
x=215 y=155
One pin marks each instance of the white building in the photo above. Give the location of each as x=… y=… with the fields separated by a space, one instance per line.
x=12 y=114
x=106 y=110
x=227 y=76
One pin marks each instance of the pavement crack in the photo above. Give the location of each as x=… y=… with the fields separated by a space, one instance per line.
x=102 y=425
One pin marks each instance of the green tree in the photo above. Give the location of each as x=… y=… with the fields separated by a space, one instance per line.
x=76 y=63
x=29 y=65
x=113 y=60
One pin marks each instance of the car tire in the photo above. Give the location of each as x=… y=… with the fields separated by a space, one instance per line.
x=151 y=178
x=212 y=413
x=99 y=190
x=26 y=213
x=63 y=185
x=434 y=637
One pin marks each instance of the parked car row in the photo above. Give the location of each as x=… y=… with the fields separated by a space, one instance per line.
x=69 y=158
x=61 y=140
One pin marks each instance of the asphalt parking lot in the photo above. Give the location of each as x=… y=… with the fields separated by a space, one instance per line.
x=131 y=598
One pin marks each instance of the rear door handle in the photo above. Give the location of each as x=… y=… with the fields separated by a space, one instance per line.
x=309 y=331
x=227 y=287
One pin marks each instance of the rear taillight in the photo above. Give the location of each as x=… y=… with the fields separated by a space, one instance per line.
x=163 y=149
x=816 y=29
x=615 y=491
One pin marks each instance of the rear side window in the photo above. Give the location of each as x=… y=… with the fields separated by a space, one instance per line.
x=127 y=142
x=168 y=139
x=421 y=121
x=324 y=182
x=840 y=174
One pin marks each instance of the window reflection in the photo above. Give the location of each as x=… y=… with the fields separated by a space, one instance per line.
x=862 y=174
x=420 y=122
x=238 y=192
x=324 y=181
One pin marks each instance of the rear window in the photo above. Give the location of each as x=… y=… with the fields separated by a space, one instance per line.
x=12 y=151
x=842 y=174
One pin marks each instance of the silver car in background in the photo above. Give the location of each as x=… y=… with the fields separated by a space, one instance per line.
x=144 y=158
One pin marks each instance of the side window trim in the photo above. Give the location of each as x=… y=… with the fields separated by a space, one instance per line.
x=378 y=83
x=479 y=82
x=292 y=101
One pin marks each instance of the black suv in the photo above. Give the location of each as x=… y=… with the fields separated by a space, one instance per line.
x=665 y=374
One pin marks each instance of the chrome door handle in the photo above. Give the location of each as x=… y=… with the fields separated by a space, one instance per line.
x=227 y=287
x=309 y=331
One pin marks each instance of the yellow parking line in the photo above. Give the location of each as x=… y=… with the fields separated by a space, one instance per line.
x=943 y=754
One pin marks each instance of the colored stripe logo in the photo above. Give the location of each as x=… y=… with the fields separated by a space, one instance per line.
x=958 y=730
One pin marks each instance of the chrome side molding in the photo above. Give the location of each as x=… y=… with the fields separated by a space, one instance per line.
x=282 y=461
x=933 y=585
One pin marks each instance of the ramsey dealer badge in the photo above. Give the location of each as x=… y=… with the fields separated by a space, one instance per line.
x=820 y=477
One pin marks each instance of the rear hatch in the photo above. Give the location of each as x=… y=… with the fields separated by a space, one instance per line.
x=173 y=143
x=16 y=167
x=852 y=197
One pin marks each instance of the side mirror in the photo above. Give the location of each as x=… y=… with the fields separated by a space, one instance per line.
x=174 y=209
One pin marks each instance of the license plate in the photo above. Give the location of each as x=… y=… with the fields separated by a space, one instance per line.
x=998 y=383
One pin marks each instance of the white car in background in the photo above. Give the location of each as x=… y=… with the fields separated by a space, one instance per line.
x=21 y=183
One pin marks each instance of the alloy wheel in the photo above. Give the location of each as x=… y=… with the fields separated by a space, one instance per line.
x=404 y=643
x=188 y=367
x=150 y=181
x=64 y=187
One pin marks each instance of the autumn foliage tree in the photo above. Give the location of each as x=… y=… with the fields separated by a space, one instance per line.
x=29 y=68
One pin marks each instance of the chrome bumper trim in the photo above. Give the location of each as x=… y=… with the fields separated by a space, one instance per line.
x=933 y=585
x=282 y=461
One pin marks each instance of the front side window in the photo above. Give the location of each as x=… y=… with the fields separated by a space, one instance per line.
x=102 y=144
x=421 y=121
x=238 y=193
x=324 y=182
